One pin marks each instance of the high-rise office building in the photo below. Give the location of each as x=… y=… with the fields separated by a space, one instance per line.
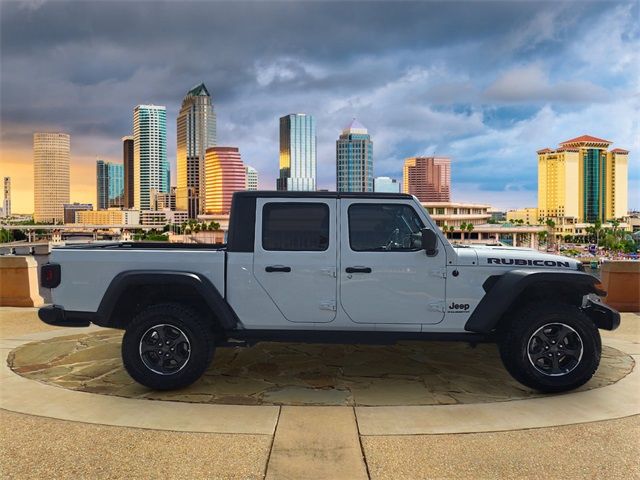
x=252 y=177
x=127 y=162
x=150 y=165
x=109 y=185
x=297 y=153
x=164 y=201
x=428 y=178
x=386 y=185
x=225 y=174
x=354 y=159
x=583 y=181
x=196 y=129
x=51 y=159
x=6 y=205
x=70 y=210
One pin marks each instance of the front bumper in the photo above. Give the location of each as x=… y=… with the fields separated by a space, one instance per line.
x=58 y=316
x=602 y=314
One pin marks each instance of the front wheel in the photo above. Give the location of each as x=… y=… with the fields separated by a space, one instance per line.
x=551 y=347
x=167 y=346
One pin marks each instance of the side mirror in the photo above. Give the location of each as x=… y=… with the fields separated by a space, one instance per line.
x=429 y=242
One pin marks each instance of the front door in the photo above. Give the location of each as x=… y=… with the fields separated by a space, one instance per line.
x=385 y=275
x=295 y=256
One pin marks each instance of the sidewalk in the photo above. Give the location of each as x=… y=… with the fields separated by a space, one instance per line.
x=313 y=442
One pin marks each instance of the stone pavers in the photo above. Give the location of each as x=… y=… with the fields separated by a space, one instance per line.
x=432 y=373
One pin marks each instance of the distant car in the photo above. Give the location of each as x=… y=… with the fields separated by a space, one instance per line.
x=330 y=267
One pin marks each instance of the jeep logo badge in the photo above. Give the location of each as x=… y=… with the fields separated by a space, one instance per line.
x=458 y=307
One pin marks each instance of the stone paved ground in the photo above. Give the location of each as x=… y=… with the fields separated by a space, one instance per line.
x=429 y=373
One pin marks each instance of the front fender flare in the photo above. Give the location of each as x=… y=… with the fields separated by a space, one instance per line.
x=503 y=291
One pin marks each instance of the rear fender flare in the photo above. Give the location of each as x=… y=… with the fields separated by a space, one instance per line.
x=202 y=285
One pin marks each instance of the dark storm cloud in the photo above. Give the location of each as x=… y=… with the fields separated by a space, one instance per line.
x=416 y=73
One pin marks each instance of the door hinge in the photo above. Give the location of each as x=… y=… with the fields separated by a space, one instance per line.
x=440 y=273
x=328 y=306
x=329 y=271
x=436 y=307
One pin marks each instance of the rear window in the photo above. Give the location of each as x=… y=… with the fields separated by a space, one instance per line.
x=295 y=226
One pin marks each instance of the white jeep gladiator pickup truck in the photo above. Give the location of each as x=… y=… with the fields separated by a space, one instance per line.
x=330 y=267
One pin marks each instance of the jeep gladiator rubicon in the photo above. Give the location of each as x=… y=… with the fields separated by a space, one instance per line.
x=330 y=267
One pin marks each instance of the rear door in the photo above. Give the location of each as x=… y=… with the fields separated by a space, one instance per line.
x=295 y=256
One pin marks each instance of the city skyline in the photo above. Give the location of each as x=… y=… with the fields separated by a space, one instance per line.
x=486 y=97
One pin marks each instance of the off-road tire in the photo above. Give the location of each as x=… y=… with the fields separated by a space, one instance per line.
x=190 y=324
x=515 y=346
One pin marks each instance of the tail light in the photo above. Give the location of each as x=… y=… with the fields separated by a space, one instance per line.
x=50 y=275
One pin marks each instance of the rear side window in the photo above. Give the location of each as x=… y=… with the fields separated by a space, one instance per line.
x=295 y=226
x=384 y=227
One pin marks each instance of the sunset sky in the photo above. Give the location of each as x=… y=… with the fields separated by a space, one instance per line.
x=486 y=83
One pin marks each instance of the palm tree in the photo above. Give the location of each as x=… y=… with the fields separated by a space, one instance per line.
x=463 y=227
x=470 y=228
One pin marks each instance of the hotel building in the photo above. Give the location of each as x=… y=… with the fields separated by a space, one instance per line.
x=252 y=178
x=225 y=174
x=354 y=159
x=196 y=131
x=51 y=158
x=150 y=165
x=298 y=169
x=582 y=181
x=428 y=178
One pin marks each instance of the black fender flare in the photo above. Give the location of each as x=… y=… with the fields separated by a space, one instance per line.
x=201 y=284
x=503 y=290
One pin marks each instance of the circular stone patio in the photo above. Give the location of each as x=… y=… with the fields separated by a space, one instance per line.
x=410 y=373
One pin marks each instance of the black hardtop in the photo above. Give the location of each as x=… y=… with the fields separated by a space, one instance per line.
x=279 y=194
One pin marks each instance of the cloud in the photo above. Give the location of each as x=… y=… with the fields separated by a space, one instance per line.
x=530 y=84
x=484 y=82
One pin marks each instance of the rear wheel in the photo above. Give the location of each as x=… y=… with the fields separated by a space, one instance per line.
x=551 y=347
x=167 y=346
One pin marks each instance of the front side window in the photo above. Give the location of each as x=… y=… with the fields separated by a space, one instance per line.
x=295 y=226
x=384 y=227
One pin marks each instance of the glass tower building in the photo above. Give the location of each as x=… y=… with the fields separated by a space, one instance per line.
x=150 y=164
x=298 y=166
x=127 y=162
x=196 y=130
x=109 y=185
x=354 y=159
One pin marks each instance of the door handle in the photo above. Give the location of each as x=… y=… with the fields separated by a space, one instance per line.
x=277 y=268
x=358 y=270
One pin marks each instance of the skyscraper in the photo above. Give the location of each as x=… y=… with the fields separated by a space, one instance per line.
x=225 y=174
x=354 y=159
x=150 y=165
x=252 y=178
x=583 y=181
x=127 y=162
x=196 y=128
x=51 y=158
x=297 y=153
x=6 y=205
x=109 y=185
x=428 y=178
x=386 y=185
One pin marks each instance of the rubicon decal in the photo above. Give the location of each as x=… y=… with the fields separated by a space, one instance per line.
x=534 y=263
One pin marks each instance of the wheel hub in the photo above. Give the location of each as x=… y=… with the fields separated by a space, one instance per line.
x=165 y=349
x=555 y=349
